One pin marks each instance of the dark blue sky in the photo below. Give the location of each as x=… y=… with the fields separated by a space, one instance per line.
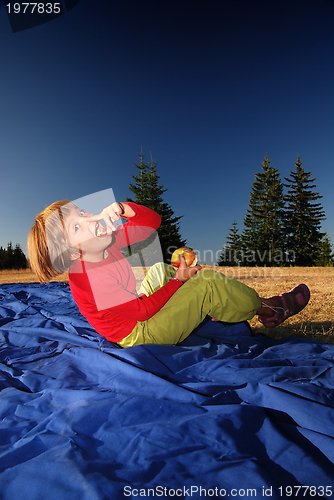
x=207 y=87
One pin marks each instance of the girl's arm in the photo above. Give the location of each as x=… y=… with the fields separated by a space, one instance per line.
x=142 y=222
x=138 y=227
x=111 y=297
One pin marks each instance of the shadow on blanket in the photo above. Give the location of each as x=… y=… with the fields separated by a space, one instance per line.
x=222 y=414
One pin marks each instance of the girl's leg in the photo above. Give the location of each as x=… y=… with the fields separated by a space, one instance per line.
x=208 y=293
x=212 y=294
x=157 y=276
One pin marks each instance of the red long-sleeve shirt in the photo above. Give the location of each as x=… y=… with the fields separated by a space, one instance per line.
x=105 y=291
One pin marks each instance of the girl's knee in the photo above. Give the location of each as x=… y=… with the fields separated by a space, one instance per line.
x=210 y=274
x=160 y=266
x=162 y=269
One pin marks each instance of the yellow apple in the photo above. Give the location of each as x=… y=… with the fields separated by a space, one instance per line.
x=189 y=255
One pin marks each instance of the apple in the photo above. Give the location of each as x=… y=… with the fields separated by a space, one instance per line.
x=100 y=231
x=189 y=255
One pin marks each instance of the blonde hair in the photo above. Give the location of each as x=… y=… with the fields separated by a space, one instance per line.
x=48 y=248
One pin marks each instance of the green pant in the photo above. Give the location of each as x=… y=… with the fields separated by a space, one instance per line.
x=208 y=293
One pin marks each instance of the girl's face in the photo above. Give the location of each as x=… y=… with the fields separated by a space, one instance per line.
x=83 y=236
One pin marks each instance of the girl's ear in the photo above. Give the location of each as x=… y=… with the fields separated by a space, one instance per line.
x=75 y=255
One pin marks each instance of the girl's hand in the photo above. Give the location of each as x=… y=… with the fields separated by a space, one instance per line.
x=109 y=214
x=184 y=272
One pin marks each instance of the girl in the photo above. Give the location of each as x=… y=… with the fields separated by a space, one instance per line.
x=169 y=304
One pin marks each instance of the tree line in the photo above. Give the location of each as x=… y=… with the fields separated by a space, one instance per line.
x=12 y=258
x=282 y=226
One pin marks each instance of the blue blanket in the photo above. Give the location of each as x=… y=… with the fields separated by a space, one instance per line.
x=223 y=414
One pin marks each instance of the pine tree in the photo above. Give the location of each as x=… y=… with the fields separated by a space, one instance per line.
x=303 y=217
x=2 y=257
x=9 y=257
x=149 y=192
x=19 y=259
x=12 y=258
x=262 y=237
x=232 y=253
x=325 y=254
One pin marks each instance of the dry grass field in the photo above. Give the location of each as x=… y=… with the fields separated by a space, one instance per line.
x=316 y=322
x=24 y=276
